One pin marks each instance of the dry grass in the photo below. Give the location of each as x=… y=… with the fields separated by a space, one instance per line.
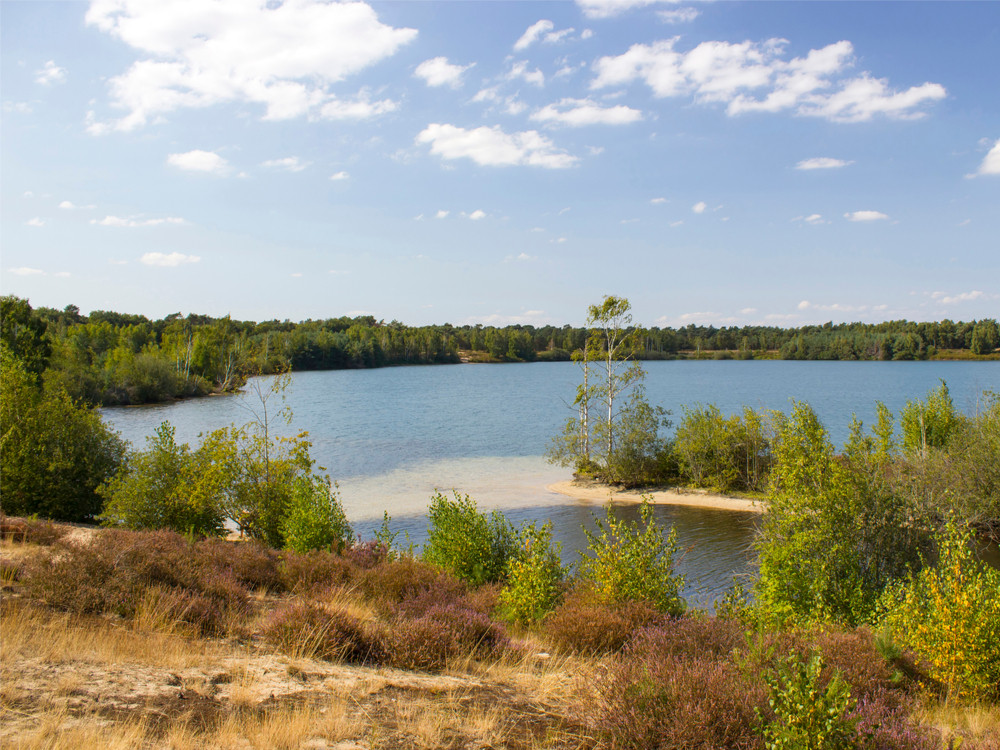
x=978 y=725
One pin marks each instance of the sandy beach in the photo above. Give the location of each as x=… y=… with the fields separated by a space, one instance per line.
x=600 y=493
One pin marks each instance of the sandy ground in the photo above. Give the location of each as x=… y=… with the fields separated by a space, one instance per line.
x=601 y=493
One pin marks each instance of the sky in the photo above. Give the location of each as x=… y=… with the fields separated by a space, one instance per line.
x=725 y=163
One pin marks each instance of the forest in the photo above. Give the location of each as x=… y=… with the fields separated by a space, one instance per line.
x=109 y=358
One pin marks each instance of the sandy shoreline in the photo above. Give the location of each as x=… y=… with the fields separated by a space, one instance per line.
x=594 y=492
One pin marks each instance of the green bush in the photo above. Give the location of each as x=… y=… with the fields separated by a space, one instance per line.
x=727 y=453
x=629 y=561
x=54 y=452
x=534 y=577
x=469 y=544
x=808 y=716
x=167 y=486
x=930 y=423
x=949 y=615
x=315 y=518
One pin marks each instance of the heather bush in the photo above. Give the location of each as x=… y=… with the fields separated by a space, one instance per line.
x=405 y=578
x=881 y=727
x=633 y=562
x=306 y=629
x=949 y=614
x=534 y=577
x=250 y=563
x=469 y=544
x=585 y=624
x=42 y=532
x=314 y=571
x=366 y=555
x=651 y=699
x=440 y=633
x=314 y=518
x=807 y=714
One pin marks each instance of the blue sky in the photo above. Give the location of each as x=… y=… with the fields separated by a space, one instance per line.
x=503 y=162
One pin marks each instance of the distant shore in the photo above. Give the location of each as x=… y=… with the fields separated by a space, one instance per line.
x=601 y=493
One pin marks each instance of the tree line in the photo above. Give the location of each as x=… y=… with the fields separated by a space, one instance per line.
x=108 y=357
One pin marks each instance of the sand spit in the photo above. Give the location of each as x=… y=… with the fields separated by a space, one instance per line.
x=600 y=493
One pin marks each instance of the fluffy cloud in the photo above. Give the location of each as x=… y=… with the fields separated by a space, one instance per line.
x=494 y=148
x=172 y=260
x=991 y=164
x=288 y=164
x=659 y=201
x=681 y=15
x=580 y=112
x=865 y=216
x=699 y=207
x=283 y=56
x=439 y=72
x=533 y=34
x=811 y=219
x=70 y=206
x=837 y=307
x=26 y=271
x=340 y=176
x=36 y=221
x=953 y=299
x=49 y=74
x=822 y=162
x=749 y=77
x=199 y=161
x=609 y=8
x=477 y=215
x=119 y=221
x=519 y=72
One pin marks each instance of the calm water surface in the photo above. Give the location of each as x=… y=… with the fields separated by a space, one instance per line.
x=391 y=437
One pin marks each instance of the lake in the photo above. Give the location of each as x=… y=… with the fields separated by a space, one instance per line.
x=391 y=437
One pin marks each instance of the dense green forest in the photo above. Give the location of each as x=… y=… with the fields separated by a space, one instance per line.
x=119 y=358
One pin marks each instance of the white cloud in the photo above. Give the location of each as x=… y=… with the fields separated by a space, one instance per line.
x=580 y=112
x=296 y=275
x=70 y=206
x=119 y=221
x=609 y=8
x=519 y=72
x=477 y=215
x=172 y=260
x=441 y=214
x=681 y=15
x=439 y=72
x=991 y=164
x=361 y=107
x=865 y=216
x=288 y=163
x=492 y=147
x=677 y=223
x=822 y=162
x=522 y=257
x=659 y=201
x=699 y=207
x=62 y=274
x=748 y=311
x=25 y=271
x=835 y=307
x=559 y=240
x=528 y=317
x=199 y=161
x=533 y=34
x=812 y=219
x=283 y=56
x=755 y=77
x=21 y=108
x=36 y=221
x=340 y=176
x=949 y=299
x=49 y=74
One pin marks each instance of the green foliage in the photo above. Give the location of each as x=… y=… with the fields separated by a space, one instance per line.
x=929 y=424
x=808 y=716
x=630 y=561
x=836 y=532
x=168 y=486
x=54 y=453
x=475 y=547
x=22 y=332
x=985 y=337
x=949 y=614
x=315 y=518
x=534 y=577
x=729 y=454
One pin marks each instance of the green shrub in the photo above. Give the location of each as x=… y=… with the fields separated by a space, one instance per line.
x=808 y=716
x=167 y=486
x=54 y=452
x=949 y=615
x=930 y=423
x=534 y=577
x=315 y=518
x=469 y=544
x=727 y=453
x=629 y=561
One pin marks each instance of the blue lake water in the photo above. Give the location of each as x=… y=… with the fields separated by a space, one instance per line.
x=391 y=437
